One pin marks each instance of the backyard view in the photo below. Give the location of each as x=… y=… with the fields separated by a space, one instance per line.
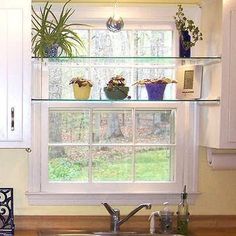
x=115 y=150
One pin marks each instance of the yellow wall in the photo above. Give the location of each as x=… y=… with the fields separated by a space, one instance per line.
x=217 y=188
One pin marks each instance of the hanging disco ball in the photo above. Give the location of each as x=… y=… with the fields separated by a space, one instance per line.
x=115 y=24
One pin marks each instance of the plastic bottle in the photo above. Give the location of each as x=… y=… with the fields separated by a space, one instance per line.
x=153 y=222
x=183 y=214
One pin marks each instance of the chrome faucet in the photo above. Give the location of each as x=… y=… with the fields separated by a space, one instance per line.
x=116 y=222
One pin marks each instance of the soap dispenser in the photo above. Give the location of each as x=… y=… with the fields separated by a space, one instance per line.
x=183 y=214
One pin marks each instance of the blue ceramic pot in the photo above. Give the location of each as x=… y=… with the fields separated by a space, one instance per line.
x=155 y=91
x=51 y=51
x=183 y=51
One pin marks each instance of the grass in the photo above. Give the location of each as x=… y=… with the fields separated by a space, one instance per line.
x=150 y=165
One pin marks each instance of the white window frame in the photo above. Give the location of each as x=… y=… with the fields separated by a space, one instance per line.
x=42 y=193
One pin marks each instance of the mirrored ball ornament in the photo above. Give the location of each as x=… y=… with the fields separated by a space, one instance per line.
x=115 y=24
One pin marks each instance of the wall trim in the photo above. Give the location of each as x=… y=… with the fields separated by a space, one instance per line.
x=58 y=199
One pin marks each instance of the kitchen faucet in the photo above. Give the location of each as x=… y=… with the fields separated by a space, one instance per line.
x=116 y=222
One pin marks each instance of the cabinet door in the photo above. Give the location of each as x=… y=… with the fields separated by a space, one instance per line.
x=14 y=75
x=232 y=75
x=228 y=116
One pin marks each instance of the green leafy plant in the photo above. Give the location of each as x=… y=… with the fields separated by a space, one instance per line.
x=49 y=30
x=81 y=82
x=184 y=24
x=116 y=81
x=162 y=80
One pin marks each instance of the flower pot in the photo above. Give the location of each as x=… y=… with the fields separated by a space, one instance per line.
x=155 y=91
x=116 y=93
x=51 y=51
x=82 y=92
x=184 y=39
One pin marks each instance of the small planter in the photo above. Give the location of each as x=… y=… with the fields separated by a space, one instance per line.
x=155 y=87
x=155 y=91
x=81 y=88
x=51 y=51
x=116 y=93
x=81 y=93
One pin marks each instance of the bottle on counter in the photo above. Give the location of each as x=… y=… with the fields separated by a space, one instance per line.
x=183 y=214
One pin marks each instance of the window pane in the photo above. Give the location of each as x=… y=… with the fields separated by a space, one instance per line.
x=112 y=164
x=155 y=126
x=153 y=164
x=68 y=126
x=154 y=42
x=106 y=43
x=112 y=126
x=68 y=163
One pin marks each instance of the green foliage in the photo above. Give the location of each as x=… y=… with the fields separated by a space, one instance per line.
x=50 y=30
x=184 y=24
x=150 y=165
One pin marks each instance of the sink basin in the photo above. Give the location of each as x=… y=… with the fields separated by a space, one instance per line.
x=65 y=233
x=131 y=234
x=81 y=233
x=115 y=233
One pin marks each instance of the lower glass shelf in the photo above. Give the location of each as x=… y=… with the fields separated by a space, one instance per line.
x=125 y=100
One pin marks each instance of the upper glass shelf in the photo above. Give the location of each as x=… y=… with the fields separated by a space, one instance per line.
x=137 y=60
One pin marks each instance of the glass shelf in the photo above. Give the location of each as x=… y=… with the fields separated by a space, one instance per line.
x=54 y=75
x=134 y=60
x=125 y=100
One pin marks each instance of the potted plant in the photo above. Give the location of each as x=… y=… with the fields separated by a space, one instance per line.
x=189 y=33
x=116 y=89
x=51 y=32
x=81 y=87
x=155 y=87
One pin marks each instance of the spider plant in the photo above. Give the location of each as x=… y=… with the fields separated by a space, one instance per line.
x=50 y=30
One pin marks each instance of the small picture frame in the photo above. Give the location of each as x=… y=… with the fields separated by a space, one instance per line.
x=189 y=78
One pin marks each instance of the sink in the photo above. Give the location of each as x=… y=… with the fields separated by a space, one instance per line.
x=81 y=233
x=115 y=233
x=132 y=234
x=65 y=233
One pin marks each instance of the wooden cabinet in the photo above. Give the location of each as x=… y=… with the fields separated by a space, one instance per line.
x=15 y=73
x=218 y=121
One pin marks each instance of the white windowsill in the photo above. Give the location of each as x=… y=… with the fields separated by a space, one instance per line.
x=43 y=198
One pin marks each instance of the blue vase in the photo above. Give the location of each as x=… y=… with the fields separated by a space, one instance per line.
x=51 y=51
x=183 y=51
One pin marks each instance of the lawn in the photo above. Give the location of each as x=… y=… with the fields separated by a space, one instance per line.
x=149 y=165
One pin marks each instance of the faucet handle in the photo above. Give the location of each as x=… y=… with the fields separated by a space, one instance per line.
x=111 y=210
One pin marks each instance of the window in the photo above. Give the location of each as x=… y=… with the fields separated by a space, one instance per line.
x=94 y=149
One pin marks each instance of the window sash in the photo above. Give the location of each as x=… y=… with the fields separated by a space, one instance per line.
x=137 y=187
